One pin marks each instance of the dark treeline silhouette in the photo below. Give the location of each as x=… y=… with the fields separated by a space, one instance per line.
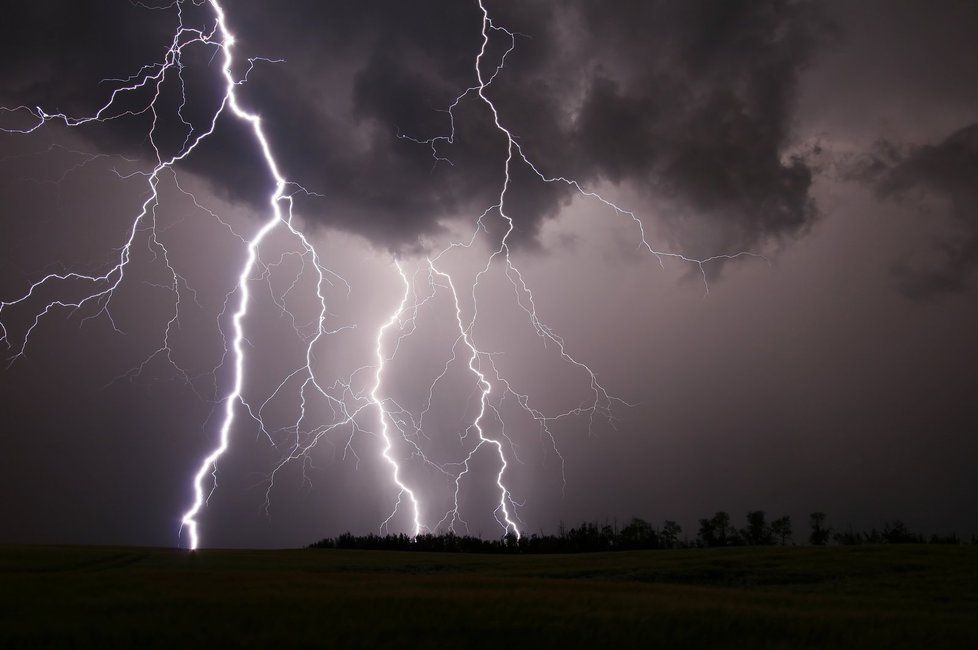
x=587 y=537
x=718 y=531
x=715 y=531
x=893 y=533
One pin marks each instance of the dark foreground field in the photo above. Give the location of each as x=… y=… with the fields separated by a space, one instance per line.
x=895 y=596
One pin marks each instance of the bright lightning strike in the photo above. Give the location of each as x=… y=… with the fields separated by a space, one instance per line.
x=278 y=197
x=280 y=202
x=383 y=415
x=347 y=403
x=501 y=513
x=603 y=402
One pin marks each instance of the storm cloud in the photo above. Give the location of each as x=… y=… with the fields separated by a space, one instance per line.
x=937 y=181
x=811 y=383
x=687 y=105
x=948 y=170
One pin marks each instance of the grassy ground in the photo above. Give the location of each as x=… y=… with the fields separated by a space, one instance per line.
x=896 y=596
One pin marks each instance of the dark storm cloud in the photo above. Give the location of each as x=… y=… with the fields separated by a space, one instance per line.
x=947 y=172
x=66 y=57
x=690 y=103
x=705 y=112
x=950 y=171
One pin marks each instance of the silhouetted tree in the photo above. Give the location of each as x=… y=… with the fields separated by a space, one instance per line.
x=848 y=538
x=820 y=532
x=705 y=534
x=898 y=533
x=781 y=528
x=757 y=533
x=723 y=530
x=716 y=531
x=638 y=533
x=669 y=536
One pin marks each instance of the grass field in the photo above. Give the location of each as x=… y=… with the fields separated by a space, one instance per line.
x=883 y=596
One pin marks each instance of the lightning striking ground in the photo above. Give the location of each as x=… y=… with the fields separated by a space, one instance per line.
x=383 y=415
x=603 y=403
x=280 y=202
x=363 y=393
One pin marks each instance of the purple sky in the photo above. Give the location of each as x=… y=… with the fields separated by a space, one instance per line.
x=838 y=140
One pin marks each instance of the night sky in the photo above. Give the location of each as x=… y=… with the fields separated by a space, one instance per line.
x=838 y=372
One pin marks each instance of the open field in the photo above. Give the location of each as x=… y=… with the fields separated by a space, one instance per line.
x=882 y=596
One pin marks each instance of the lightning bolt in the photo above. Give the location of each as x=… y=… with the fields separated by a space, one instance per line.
x=384 y=416
x=502 y=511
x=278 y=218
x=153 y=77
x=354 y=397
x=603 y=403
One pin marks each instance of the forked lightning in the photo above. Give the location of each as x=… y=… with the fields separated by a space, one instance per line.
x=360 y=398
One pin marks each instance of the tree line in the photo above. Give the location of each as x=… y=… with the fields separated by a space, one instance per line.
x=638 y=534
x=717 y=531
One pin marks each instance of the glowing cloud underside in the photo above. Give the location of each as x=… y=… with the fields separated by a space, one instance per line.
x=351 y=404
